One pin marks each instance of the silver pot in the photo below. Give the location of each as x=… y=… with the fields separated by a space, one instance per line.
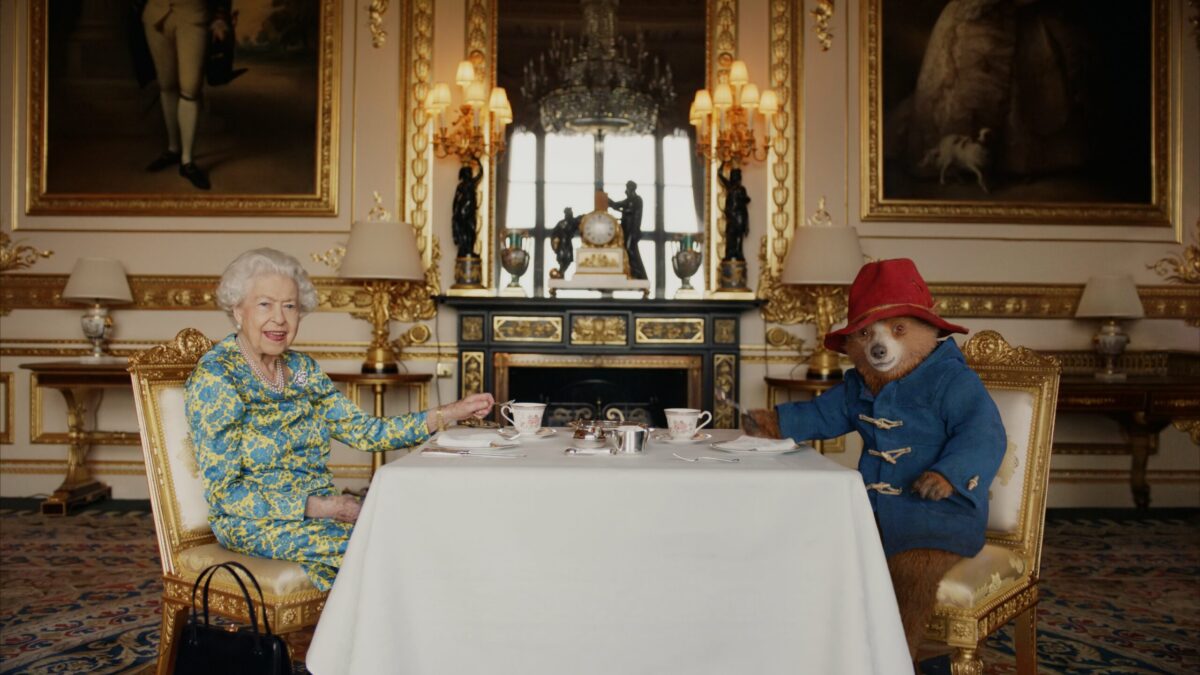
x=630 y=438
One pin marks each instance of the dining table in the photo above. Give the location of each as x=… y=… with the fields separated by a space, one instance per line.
x=687 y=557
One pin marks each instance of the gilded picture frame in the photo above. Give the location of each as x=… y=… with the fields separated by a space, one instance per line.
x=1056 y=120
x=268 y=129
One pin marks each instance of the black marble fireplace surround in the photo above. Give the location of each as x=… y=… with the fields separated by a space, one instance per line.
x=585 y=357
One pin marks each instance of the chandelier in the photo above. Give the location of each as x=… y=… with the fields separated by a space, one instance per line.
x=599 y=82
x=724 y=120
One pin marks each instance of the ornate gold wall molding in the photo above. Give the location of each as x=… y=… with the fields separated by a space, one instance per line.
x=16 y=256
x=412 y=301
x=527 y=329
x=415 y=152
x=788 y=304
x=725 y=368
x=786 y=164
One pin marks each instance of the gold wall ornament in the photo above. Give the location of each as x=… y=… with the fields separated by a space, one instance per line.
x=375 y=12
x=16 y=256
x=654 y=330
x=331 y=258
x=377 y=212
x=7 y=407
x=1184 y=267
x=320 y=200
x=527 y=329
x=599 y=329
x=822 y=15
x=1189 y=427
x=782 y=339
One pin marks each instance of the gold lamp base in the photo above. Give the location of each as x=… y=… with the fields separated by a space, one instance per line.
x=381 y=356
x=824 y=365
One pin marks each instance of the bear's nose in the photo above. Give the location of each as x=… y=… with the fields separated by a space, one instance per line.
x=878 y=351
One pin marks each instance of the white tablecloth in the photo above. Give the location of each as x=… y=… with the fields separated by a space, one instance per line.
x=559 y=564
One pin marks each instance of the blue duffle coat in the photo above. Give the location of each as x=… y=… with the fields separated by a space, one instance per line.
x=939 y=417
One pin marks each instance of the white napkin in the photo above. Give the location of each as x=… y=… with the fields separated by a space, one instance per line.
x=751 y=443
x=468 y=438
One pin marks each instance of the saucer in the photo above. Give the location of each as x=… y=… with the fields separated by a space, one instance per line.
x=666 y=438
x=511 y=432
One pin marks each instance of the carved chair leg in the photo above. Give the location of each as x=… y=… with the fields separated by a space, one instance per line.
x=966 y=661
x=174 y=615
x=1026 y=641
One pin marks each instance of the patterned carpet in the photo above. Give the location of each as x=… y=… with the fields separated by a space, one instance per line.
x=1121 y=593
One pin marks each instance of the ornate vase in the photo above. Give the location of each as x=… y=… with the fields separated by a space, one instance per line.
x=514 y=261
x=686 y=262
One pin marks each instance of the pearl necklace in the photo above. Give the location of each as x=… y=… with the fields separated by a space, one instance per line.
x=260 y=372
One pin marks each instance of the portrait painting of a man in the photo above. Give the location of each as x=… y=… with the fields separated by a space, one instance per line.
x=204 y=103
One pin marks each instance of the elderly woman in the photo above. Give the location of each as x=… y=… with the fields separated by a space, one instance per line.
x=261 y=417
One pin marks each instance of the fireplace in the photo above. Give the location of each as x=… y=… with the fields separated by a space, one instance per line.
x=593 y=386
x=587 y=357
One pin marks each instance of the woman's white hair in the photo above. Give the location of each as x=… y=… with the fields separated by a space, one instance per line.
x=241 y=273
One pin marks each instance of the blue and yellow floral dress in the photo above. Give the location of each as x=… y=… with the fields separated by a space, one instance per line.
x=261 y=454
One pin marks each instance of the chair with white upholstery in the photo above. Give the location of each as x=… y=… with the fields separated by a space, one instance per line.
x=185 y=542
x=983 y=593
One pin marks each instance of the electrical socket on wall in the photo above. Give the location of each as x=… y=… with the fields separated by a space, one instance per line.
x=445 y=370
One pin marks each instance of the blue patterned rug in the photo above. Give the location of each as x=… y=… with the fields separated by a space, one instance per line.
x=1120 y=593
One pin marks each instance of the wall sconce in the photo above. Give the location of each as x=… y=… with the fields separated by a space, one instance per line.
x=476 y=131
x=724 y=119
x=824 y=259
x=1111 y=298
x=98 y=282
x=385 y=253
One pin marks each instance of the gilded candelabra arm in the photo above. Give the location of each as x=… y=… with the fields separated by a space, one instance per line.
x=14 y=256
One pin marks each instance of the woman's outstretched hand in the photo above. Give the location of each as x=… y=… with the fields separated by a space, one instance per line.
x=337 y=507
x=475 y=405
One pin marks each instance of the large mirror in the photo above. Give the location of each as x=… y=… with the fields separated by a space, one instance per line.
x=567 y=141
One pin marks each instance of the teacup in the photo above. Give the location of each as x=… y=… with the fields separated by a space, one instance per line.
x=683 y=423
x=526 y=418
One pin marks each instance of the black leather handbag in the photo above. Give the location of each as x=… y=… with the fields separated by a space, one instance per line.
x=206 y=649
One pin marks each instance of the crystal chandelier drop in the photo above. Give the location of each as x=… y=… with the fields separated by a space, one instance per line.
x=599 y=82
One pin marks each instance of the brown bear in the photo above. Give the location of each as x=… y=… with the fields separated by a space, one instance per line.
x=932 y=437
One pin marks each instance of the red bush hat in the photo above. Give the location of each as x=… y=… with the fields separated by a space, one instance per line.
x=887 y=289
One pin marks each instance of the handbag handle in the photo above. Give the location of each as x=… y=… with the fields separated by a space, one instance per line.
x=207 y=575
x=262 y=602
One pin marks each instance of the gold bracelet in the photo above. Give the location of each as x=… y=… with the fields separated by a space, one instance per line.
x=441 y=421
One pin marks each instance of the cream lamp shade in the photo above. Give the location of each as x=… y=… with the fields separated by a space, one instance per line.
x=1110 y=297
x=822 y=255
x=98 y=281
x=382 y=250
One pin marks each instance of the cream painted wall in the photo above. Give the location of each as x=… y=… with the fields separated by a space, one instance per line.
x=368 y=162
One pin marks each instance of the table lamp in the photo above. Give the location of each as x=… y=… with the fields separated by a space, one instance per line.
x=98 y=282
x=1111 y=298
x=383 y=252
x=826 y=259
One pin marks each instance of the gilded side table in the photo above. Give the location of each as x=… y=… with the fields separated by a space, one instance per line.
x=81 y=384
x=379 y=383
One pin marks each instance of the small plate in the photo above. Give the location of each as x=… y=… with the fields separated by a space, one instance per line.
x=666 y=438
x=457 y=447
x=721 y=445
